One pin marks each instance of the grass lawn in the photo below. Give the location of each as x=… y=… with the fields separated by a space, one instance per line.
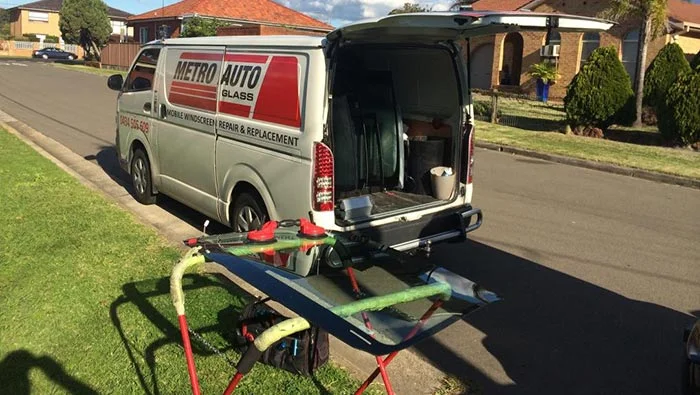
x=666 y=160
x=88 y=69
x=84 y=302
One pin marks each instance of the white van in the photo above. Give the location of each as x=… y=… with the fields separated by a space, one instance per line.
x=367 y=130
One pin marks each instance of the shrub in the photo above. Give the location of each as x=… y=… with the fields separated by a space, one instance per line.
x=599 y=91
x=484 y=109
x=547 y=72
x=588 y=131
x=201 y=27
x=695 y=63
x=31 y=37
x=679 y=119
x=51 y=39
x=649 y=116
x=662 y=73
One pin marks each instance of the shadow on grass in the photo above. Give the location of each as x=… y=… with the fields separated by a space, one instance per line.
x=140 y=295
x=160 y=313
x=638 y=137
x=17 y=365
x=555 y=334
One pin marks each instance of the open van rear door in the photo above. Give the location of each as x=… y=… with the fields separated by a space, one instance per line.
x=441 y=26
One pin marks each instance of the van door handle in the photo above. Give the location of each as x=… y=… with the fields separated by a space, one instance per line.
x=163 y=111
x=147 y=107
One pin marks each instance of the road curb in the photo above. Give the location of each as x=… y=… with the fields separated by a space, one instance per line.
x=620 y=170
x=411 y=372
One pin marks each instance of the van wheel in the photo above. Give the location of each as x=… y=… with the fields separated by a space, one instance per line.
x=141 y=178
x=248 y=213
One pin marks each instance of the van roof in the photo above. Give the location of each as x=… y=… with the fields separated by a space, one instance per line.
x=264 y=41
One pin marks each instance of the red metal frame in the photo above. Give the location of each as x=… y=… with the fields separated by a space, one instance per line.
x=191 y=369
x=381 y=362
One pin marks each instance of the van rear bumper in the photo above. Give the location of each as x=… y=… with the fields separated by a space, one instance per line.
x=449 y=225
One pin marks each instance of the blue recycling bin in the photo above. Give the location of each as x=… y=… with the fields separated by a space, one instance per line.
x=542 y=91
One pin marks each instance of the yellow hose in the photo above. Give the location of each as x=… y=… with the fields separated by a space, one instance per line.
x=190 y=260
x=279 y=331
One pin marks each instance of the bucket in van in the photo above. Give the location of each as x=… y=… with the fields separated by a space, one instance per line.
x=442 y=181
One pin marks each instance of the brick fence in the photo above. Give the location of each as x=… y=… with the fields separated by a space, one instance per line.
x=26 y=48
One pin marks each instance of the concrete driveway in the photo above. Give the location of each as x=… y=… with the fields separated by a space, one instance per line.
x=599 y=272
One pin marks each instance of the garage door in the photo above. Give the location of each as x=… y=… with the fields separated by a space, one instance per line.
x=482 y=64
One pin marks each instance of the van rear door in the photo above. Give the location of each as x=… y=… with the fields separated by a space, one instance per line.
x=442 y=26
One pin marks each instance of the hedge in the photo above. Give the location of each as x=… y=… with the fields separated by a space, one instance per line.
x=600 y=92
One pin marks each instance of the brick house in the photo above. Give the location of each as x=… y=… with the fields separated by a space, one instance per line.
x=253 y=15
x=41 y=18
x=502 y=61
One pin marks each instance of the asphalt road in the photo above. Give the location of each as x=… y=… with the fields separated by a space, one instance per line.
x=599 y=273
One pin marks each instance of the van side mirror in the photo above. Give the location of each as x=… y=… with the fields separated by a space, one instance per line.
x=115 y=82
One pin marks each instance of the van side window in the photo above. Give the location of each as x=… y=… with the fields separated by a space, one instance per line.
x=141 y=76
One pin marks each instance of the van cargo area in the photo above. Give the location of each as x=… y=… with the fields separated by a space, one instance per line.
x=395 y=117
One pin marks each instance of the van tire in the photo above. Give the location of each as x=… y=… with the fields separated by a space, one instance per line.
x=248 y=213
x=141 y=179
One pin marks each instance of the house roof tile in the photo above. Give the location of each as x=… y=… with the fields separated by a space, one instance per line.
x=682 y=11
x=247 y=10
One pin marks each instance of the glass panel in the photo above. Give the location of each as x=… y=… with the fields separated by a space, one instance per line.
x=629 y=52
x=143 y=35
x=589 y=43
x=140 y=77
x=631 y=68
x=344 y=283
x=38 y=16
x=632 y=35
x=630 y=47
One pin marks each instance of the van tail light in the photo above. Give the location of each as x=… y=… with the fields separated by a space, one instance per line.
x=323 y=185
x=468 y=153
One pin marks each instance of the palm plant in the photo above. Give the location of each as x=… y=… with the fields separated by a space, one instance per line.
x=652 y=13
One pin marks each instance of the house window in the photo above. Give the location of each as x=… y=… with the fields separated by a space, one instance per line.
x=143 y=35
x=589 y=43
x=117 y=27
x=38 y=16
x=164 y=31
x=630 y=47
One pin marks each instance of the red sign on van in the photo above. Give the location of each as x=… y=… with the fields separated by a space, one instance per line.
x=261 y=87
x=195 y=80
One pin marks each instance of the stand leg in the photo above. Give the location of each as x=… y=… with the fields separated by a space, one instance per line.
x=385 y=376
x=382 y=366
x=234 y=382
x=188 y=355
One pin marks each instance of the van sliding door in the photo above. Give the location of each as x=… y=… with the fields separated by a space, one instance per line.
x=187 y=119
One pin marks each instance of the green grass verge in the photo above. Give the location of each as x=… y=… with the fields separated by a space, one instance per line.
x=88 y=69
x=84 y=302
x=665 y=160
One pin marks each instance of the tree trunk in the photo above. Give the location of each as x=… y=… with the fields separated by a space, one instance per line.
x=645 y=37
x=96 y=49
